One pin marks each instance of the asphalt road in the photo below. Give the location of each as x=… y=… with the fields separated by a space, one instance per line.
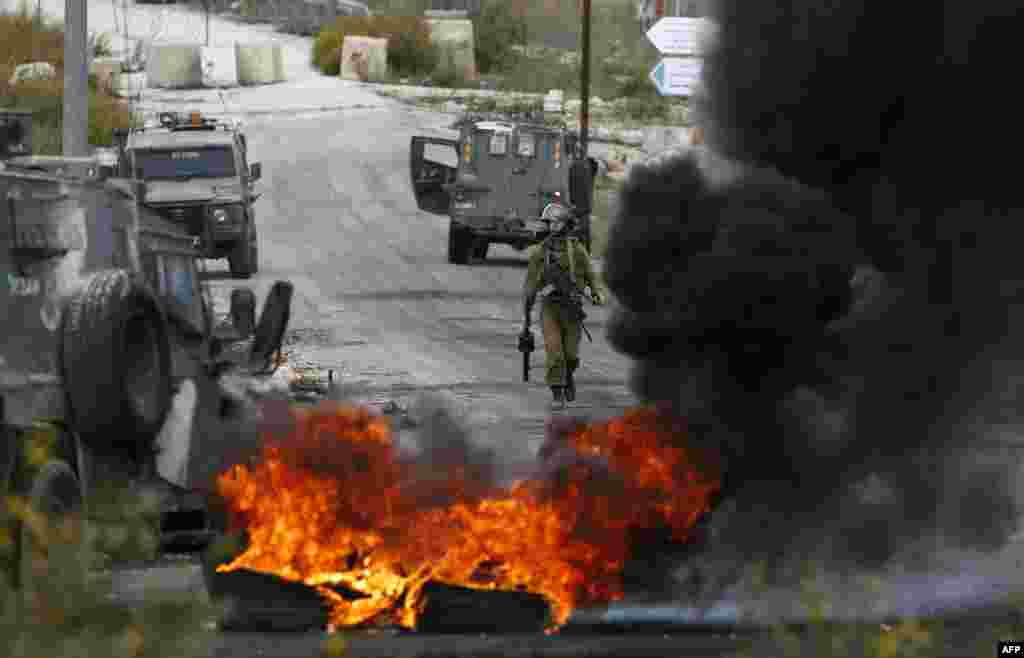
x=376 y=300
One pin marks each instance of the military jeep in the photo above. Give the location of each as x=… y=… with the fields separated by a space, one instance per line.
x=198 y=176
x=494 y=181
x=104 y=315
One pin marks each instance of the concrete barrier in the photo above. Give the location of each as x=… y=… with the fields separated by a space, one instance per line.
x=175 y=66
x=219 y=66
x=364 y=59
x=260 y=64
x=455 y=41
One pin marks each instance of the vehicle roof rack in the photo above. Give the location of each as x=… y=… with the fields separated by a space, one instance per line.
x=183 y=122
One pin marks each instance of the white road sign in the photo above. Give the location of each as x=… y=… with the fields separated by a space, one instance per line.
x=678 y=35
x=677 y=76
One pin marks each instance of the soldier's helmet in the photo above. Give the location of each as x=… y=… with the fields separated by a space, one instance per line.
x=558 y=216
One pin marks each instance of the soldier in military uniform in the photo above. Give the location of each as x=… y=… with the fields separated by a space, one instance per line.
x=560 y=269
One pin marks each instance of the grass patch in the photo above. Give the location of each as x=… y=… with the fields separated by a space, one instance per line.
x=76 y=616
x=605 y=191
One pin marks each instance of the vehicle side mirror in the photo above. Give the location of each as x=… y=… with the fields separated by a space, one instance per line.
x=269 y=333
x=255 y=171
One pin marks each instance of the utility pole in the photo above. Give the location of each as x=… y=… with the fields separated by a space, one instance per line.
x=206 y=10
x=585 y=80
x=76 y=79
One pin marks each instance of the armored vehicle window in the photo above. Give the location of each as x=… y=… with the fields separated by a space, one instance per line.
x=527 y=145
x=499 y=144
x=202 y=162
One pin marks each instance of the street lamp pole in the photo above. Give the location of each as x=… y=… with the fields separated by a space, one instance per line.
x=585 y=80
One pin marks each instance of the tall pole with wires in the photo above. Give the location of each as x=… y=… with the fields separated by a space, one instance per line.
x=585 y=80
x=76 y=79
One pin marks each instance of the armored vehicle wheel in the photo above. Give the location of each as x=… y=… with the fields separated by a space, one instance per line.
x=51 y=546
x=244 y=259
x=460 y=243
x=115 y=363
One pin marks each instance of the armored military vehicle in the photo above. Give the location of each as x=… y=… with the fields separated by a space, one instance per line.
x=104 y=316
x=198 y=175
x=494 y=181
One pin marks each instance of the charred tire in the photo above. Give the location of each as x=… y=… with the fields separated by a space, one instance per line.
x=50 y=554
x=243 y=311
x=581 y=186
x=269 y=334
x=116 y=364
x=244 y=259
x=460 y=244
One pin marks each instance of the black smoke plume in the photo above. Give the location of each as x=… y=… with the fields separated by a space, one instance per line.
x=826 y=288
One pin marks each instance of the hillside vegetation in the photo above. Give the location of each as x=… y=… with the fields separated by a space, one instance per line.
x=26 y=41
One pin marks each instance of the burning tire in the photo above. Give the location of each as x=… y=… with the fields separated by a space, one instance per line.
x=115 y=363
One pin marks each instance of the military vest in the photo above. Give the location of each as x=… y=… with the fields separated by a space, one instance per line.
x=560 y=268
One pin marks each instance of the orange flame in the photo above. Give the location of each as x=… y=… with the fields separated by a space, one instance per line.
x=331 y=504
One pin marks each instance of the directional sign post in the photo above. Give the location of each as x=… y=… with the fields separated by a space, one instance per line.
x=678 y=35
x=677 y=76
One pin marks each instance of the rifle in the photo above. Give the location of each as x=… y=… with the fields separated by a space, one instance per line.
x=571 y=295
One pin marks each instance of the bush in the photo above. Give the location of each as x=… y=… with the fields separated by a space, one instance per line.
x=101 y=44
x=410 y=50
x=327 y=51
x=496 y=30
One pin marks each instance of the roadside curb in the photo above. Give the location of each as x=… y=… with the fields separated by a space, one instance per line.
x=159 y=106
x=649 y=138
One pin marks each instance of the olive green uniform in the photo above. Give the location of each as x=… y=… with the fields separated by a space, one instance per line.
x=560 y=327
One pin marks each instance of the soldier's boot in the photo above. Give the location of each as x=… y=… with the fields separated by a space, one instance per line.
x=558 y=395
x=570 y=383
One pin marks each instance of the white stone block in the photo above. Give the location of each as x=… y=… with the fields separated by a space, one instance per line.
x=219 y=66
x=259 y=63
x=174 y=66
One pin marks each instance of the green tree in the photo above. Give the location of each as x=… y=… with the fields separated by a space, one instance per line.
x=496 y=30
